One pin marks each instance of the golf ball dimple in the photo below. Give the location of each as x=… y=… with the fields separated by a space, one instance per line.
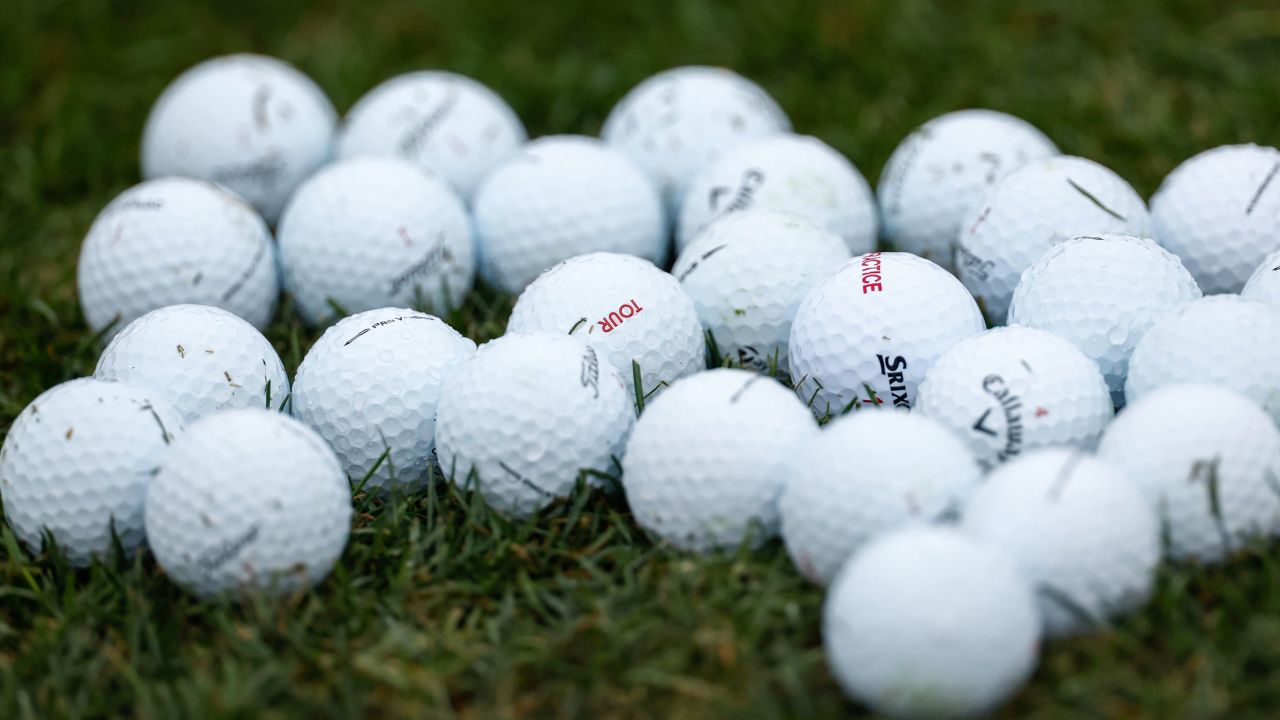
x=942 y=169
x=76 y=463
x=871 y=329
x=201 y=359
x=792 y=173
x=248 y=500
x=929 y=622
x=1031 y=209
x=708 y=458
x=1218 y=212
x=676 y=122
x=370 y=387
x=252 y=123
x=442 y=122
x=1264 y=284
x=1013 y=389
x=624 y=307
x=527 y=415
x=866 y=474
x=1077 y=528
x=1208 y=459
x=1102 y=293
x=559 y=197
x=375 y=232
x=747 y=273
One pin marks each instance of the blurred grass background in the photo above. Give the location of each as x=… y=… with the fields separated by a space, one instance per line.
x=442 y=610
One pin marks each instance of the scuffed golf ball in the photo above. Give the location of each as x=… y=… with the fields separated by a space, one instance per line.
x=1264 y=284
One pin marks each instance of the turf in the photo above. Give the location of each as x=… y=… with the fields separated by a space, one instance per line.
x=440 y=609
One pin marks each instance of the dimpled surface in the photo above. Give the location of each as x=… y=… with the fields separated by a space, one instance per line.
x=1219 y=340
x=559 y=197
x=876 y=316
x=1208 y=459
x=624 y=307
x=369 y=387
x=930 y=623
x=252 y=123
x=248 y=500
x=374 y=232
x=172 y=241
x=1077 y=528
x=1264 y=284
x=529 y=413
x=1219 y=211
x=1042 y=203
x=864 y=475
x=793 y=173
x=442 y=122
x=1013 y=389
x=942 y=169
x=77 y=462
x=708 y=458
x=201 y=359
x=676 y=122
x=747 y=273
x=1102 y=293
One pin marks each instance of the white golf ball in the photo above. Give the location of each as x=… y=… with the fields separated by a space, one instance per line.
x=864 y=475
x=248 y=500
x=201 y=359
x=1077 y=528
x=942 y=169
x=529 y=414
x=370 y=387
x=708 y=458
x=1031 y=209
x=871 y=329
x=747 y=273
x=1219 y=340
x=176 y=240
x=76 y=463
x=624 y=307
x=929 y=622
x=252 y=123
x=1264 y=284
x=373 y=232
x=792 y=173
x=1103 y=293
x=559 y=197
x=676 y=122
x=1013 y=389
x=1208 y=459
x=442 y=122
x=1218 y=211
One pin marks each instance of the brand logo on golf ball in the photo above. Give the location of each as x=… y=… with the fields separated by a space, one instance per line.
x=1011 y=404
x=591 y=371
x=610 y=322
x=752 y=179
x=436 y=256
x=420 y=134
x=872 y=279
x=891 y=366
x=979 y=268
x=265 y=170
x=219 y=555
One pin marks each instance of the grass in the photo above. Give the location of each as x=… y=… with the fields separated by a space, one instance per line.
x=441 y=609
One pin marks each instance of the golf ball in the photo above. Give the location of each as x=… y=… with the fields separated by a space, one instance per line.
x=252 y=123
x=248 y=500
x=1103 y=293
x=370 y=387
x=747 y=273
x=201 y=359
x=871 y=329
x=1032 y=208
x=442 y=122
x=528 y=415
x=864 y=475
x=1207 y=458
x=1264 y=284
x=1013 y=389
x=942 y=169
x=708 y=458
x=373 y=232
x=1218 y=211
x=793 y=173
x=76 y=463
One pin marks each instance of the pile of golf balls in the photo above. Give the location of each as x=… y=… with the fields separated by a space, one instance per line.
x=703 y=316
